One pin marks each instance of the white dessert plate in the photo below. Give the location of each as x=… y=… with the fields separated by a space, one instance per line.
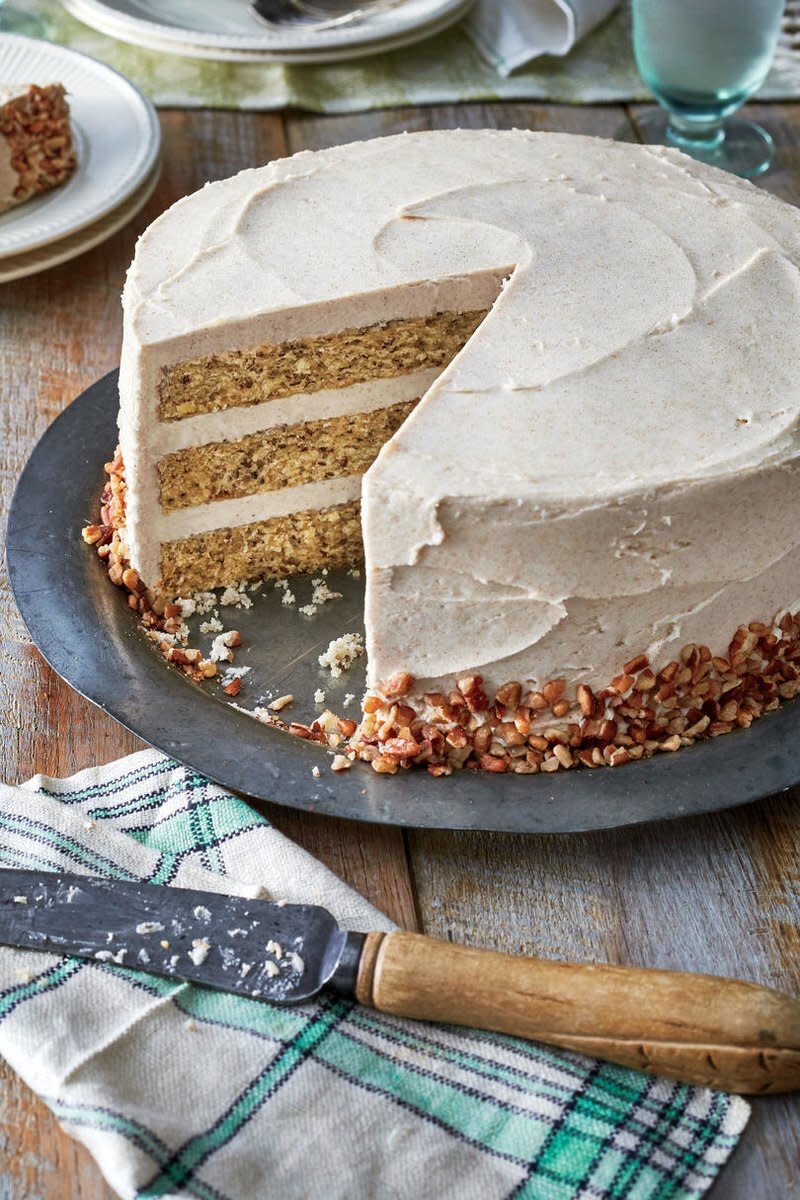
x=16 y=266
x=207 y=29
x=86 y=631
x=117 y=137
x=287 y=58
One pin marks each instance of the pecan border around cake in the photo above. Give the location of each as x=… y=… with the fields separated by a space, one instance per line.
x=641 y=712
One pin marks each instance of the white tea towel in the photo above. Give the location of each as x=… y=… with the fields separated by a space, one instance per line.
x=181 y=1091
x=510 y=33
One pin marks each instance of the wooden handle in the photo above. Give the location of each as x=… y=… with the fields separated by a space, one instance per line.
x=702 y=1029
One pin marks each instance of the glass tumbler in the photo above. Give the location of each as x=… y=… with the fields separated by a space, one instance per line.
x=701 y=60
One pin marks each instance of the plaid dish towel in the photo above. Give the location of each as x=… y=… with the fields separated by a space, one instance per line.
x=181 y=1091
x=511 y=33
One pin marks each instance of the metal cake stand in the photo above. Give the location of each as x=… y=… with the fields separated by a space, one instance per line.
x=85 y=630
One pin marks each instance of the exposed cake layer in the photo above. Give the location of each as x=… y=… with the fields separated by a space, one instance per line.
x=169 y=437
x=279 y=546
x=145 y=439
x=261 y=506
x=36 y=152
x=240 y=378
x=282 y=457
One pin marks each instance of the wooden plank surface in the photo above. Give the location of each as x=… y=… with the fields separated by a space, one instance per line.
x=718 y=893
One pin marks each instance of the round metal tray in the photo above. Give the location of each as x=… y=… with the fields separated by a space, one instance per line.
x=87 y=633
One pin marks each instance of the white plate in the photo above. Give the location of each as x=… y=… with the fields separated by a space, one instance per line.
x=84 y=11
x=117 y=140
x=208 y=25
x=15 y=266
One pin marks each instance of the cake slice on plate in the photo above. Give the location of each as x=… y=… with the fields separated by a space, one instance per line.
x=36 y=148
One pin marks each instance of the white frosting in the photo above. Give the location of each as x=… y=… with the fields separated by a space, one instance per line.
x=608 y=466
x=223 y=514
x=8 y=176
x=10 y=91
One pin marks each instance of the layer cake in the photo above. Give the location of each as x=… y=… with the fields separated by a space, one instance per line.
x=576 y=363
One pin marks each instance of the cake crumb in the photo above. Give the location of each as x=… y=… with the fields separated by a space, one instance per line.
x=203 y=602
x=341 y=763
x=221 y=646
x=319 y=696
x=342 y=653
x=232 y=674
x=261 y=714
x=212 y=626
x=354 y=573
x=349 y=697
x=187 y=606
x=109 y=956
x=199 y=951
x=319 y=596
x=288 y=598
x=281 y=702
x=235 y=596
x=274 y=949
x=315 y=771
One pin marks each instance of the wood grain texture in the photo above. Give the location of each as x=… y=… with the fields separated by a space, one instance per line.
x=700 y=1029
x=716 y=894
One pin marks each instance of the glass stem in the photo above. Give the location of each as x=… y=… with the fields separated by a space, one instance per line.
x=703 y=134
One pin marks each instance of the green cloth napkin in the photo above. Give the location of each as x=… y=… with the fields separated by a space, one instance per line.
x=442 y=70
x=181 y=1091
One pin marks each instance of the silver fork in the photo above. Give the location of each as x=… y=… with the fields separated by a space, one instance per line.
x=317 y=16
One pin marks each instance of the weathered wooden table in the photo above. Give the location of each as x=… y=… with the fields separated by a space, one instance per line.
x=717 y=894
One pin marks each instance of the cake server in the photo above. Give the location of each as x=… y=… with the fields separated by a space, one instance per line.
x=702 y=1029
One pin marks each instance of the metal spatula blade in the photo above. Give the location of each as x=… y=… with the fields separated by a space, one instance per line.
x=282 y=953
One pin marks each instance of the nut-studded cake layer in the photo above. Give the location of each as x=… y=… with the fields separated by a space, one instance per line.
x=642 y=711
x=276 y=458
x=240 y=378
x=280 y=546
x=35 y=125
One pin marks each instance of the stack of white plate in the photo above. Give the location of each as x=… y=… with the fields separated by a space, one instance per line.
x=117 y=141
x=230 y=31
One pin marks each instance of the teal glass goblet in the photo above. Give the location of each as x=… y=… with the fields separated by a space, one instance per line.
x=702 y=59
